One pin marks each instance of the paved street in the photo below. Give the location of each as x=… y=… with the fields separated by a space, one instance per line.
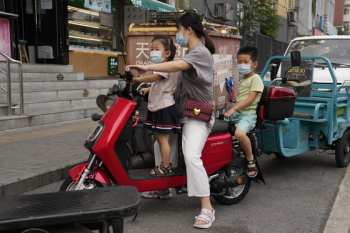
x=298 y=197
x=35 y=156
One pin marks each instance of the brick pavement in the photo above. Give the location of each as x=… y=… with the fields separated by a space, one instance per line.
x=37 y=156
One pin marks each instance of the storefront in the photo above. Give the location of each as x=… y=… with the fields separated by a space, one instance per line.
x=92 y=32
x=82 y=33
x=95 y=27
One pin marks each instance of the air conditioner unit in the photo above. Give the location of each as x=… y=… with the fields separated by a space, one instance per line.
x=296 y=5
x=292 y=16
x=224 y=11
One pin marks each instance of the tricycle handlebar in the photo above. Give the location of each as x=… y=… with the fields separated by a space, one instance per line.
x=334 y=85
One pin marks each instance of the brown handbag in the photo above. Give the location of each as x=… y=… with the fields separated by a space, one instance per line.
x=198 y=109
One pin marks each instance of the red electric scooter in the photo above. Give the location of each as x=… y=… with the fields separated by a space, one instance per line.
x=222 y=157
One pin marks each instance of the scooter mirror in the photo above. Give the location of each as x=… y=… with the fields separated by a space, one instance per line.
x=104 y=101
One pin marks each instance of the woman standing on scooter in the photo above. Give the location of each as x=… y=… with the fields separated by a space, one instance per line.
x=194 y=81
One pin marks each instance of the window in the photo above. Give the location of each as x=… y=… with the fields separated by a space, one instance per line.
x=240 y=13
x=2 y=5
x=346 y=11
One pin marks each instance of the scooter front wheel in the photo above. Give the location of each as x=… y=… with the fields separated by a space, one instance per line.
x=68 y=185
x=235 y=194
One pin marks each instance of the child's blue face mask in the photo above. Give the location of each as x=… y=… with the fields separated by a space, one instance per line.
x=181 y=40
x=244 y=69
x=156 y=57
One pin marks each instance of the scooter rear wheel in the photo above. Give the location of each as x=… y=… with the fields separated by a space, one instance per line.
x=236 y=194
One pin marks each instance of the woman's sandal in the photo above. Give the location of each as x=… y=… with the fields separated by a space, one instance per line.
x=252 y=169
x=166 y=171
x=208 y=220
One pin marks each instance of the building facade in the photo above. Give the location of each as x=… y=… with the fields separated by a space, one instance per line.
x=285 y=9
x=282 y=6
x=346 y=15
x=339 y=12
x=311 y=16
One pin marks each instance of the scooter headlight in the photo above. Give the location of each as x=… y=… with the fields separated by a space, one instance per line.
x=94 y=135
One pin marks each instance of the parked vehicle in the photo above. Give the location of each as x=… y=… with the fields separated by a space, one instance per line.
x=321 y=117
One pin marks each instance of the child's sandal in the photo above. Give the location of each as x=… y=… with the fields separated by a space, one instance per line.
x=252 y=169
x=167 y=171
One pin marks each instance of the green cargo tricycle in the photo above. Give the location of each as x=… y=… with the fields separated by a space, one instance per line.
x=321 y=117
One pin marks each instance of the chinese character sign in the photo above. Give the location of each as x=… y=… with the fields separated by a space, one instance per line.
x=5 y=39
x=224 y=61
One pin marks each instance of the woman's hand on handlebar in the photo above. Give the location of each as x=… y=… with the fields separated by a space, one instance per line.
x=144 y=91
x=140 y=69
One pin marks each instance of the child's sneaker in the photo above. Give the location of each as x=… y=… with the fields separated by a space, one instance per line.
x=165 y=194
x=150 y=194
x=162 y=194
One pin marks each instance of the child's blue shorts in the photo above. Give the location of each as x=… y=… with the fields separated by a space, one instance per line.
x=245 y=121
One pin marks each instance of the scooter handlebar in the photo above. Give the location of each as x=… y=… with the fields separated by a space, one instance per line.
x=96 y=117
x=129 y=76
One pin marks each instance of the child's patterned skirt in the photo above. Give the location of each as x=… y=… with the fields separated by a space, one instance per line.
x=164 y=121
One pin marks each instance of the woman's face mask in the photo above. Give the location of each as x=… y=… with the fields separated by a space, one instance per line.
x=181 y=40
x=156 y=57
x=244 y=69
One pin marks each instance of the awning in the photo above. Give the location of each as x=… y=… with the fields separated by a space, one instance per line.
x=153 y=5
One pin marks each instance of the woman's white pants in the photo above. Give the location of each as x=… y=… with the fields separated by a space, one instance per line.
x=194 y=135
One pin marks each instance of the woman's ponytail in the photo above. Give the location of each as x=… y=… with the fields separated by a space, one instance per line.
x=209 y=44
x=191 y=19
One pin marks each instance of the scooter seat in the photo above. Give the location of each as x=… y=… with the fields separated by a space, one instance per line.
x=220 y=127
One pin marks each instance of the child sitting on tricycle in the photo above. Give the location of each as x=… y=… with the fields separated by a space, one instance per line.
x=243 y=114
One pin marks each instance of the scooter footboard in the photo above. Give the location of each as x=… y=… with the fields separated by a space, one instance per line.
x=100 y=174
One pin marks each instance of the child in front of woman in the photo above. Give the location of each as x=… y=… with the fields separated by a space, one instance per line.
x=162 y=117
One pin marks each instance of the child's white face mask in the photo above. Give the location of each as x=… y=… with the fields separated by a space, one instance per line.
x=244 y=69
x=156 y=57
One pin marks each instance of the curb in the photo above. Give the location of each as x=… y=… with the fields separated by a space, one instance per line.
x=37 y=181
x=338 y=220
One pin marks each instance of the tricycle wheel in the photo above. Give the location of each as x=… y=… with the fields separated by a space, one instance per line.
x=68 y=185
x=342 y=150
x=236 y=194
x=279 y=156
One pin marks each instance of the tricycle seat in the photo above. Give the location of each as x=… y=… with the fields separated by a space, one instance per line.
x=42 y=210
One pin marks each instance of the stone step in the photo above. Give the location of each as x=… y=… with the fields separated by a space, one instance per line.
x=43 y=106
x=49 y=95
x=42 y=76
x=48 y=117
x=4 y=110
x=37 y=68
x=57 y=85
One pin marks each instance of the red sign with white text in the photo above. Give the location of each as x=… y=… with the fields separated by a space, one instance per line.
x=5 y=39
